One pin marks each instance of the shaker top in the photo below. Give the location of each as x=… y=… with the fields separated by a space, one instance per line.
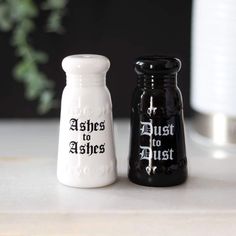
x=85 y=64
x=157 y=65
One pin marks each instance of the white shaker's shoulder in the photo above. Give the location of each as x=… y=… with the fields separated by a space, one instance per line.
x=86 y=153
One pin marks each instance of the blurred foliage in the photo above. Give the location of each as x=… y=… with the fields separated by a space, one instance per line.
x=18 y=17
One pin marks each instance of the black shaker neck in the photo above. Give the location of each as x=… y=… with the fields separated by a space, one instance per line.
x=157 y=71
x=155 y=82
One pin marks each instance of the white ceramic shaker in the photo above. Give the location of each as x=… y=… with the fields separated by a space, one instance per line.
x=86 y=155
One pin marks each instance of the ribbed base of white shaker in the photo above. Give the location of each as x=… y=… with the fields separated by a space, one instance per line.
x=87 y=184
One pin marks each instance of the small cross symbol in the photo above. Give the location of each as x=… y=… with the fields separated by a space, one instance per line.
x=151 y=110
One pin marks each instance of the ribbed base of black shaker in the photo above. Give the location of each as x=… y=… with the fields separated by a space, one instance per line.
x=160 y=180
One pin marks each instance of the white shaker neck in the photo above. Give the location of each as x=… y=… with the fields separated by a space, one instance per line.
x=85 y=80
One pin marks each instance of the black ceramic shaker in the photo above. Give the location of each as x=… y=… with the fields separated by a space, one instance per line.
x=157 y=146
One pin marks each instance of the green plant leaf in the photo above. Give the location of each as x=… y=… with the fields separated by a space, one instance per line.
x=6 y=22
x=54 y=23
x=40 y=57
x=21 y=70
x=24 y=9
x=46 y=102
x=54 y=4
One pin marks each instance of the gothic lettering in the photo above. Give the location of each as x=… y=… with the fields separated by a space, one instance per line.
x=73 y=147
x=74 y=124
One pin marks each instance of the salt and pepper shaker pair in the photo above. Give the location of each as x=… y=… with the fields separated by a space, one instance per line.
x=86 y=152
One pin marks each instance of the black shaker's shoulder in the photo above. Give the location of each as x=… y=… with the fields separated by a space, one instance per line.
x=157 y=147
